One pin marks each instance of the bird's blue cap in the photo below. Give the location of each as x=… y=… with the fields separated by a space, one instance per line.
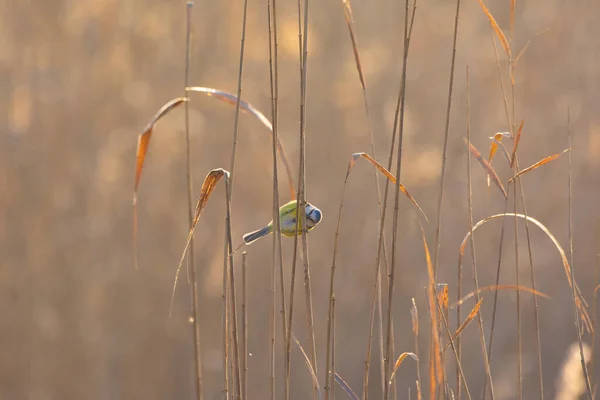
x=314 y=215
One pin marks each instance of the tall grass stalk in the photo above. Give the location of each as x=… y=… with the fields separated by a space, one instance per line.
x=389 y=355
x=486 y=360
x=277 y=254
x=190 y=193
x=576 y=314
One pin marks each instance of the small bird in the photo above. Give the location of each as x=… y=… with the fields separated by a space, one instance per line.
x=287 y=222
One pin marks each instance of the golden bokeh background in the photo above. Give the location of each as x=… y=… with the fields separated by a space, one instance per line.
x=81 y=79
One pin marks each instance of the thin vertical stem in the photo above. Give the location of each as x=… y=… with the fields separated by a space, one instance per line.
x=472 y=243
x=190 y=190
x=234 y=331
x=519 y=331
x=274 y=86
x=244 y=327
x=392 y=273
x=225 y=324
x=445 y=147
x=301 y=205
x=576 y=314
x=332 y=372
x=594 y=311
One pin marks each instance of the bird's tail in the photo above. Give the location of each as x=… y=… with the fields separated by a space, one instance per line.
x=252 y=236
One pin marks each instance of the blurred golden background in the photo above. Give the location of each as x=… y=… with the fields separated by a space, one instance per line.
x=81 y=80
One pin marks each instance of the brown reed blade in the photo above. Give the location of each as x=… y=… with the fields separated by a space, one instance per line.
x=436 y=368
x=516 y=143
x=497 y=29
x=399 y=361
x=466 y=322
x=140 y=157
x=209 y=184
x=496 y=139
x=387 y=174
x=486 y=165
x=350 y=23
x=538 y=164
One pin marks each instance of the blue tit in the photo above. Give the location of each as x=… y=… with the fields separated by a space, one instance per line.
x=287 y=221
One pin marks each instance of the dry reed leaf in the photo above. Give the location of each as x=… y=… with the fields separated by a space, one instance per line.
x=512 y=17
x=399 y=361
x=415 y=317
x=350 y=23
x=518 y=57
x=230 y=98
x=443 y=295
x=497 y=29
x=522 y=52
x=209 y=184
x=387 y=174
x=140 y=157
x=435 y=369
x=466 y=322
x=486 y=165
x=309 y=365
x=496 y=140
x=499 y=287
x=538 y=164
x=579 y=299
x=516 y=143
x=345 y=386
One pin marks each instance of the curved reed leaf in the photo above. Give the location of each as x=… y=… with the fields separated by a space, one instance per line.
x=230 y=98
x=399 y=361
x=498 y=287
x=140 y=157
x=579 y=300
x=209 y=184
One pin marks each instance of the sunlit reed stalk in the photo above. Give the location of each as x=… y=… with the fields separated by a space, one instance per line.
x=445 y=146
x=244 y=327
x=300 y=214
x=276 y=250
x=234 y=330
x=225 y=324
x=230 y=289
x=577 y=321
x=350 y=22
x=594 y=311
x=378 y=273
x=190 y=190
x=473 y=256
x=389 y=354
x=332 y=372
x=437 y=242
x=533 y=283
